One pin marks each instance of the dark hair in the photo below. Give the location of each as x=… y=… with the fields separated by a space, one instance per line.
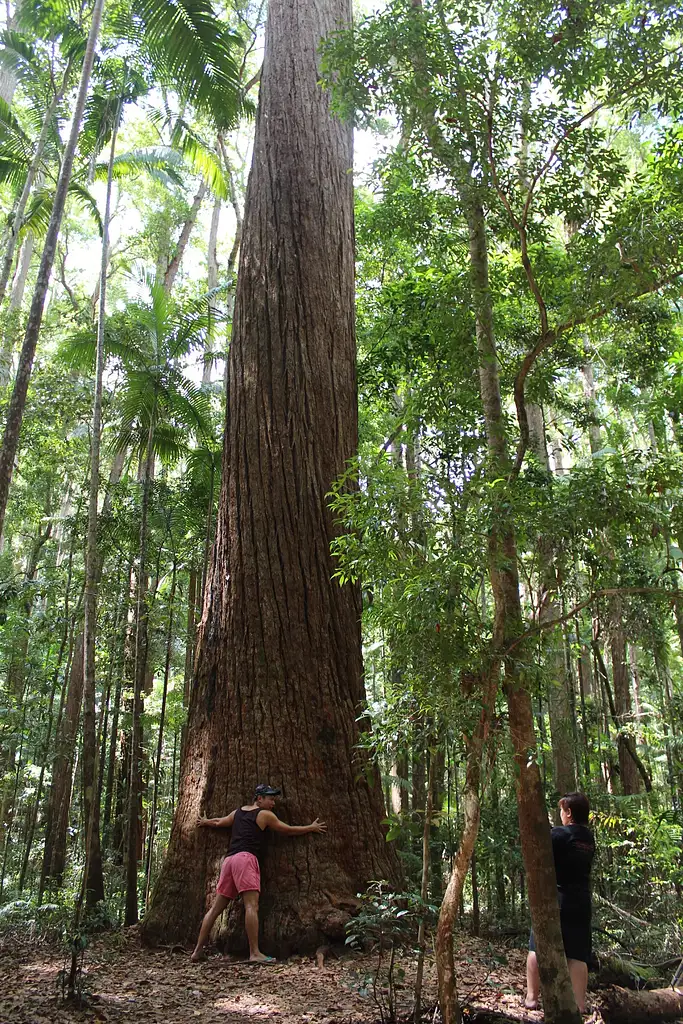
x=578 y=804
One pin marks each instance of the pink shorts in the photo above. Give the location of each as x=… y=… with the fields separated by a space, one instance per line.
x=239 y=873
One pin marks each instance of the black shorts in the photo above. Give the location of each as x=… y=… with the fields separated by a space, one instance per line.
x=576 y=936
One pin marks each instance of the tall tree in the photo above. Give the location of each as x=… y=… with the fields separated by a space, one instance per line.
x=15 y=411
x=279 y=671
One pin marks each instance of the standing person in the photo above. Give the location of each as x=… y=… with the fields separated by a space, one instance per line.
x=240 y=872
x=573 y=851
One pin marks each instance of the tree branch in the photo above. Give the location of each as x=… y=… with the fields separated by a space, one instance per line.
x=541 y=627
x=551 y=336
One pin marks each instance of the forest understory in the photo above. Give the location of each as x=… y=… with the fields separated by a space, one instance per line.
x=355 y=480
x=124 y=981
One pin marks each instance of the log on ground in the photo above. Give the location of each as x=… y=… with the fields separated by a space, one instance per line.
x=624 y=1006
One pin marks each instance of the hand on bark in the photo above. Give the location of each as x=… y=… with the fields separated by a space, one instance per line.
x=318 y=826
x=202 y=822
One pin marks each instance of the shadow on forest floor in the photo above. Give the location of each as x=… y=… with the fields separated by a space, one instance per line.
x=124 y=982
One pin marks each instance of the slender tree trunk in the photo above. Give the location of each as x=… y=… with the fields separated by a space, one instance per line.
x=141 y=619
x=190 y=634
x=628 y=771
x=160 y=740
x=39 y=788
x=435 y=846
x=15 y=792
x=207 y=537
x=11 y=325
x=174 y=264
x=59 y=802
x=15 y=411
x=94 y=883
x=558 y=998
x=476 y=744
x=16 y=673
x=21 y=276
x=20 y=208
x=424 y=887
x=212 y=283
x=8 y=78
x=277 y=630
x=559 y=705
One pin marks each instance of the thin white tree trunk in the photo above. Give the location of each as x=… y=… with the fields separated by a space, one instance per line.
x=212 y=283
x=17 y=404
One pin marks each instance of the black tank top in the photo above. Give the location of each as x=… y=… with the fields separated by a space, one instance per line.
x=247 y=837
x=573 y=850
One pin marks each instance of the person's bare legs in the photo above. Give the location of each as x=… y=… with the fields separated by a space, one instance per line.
x=533 y=982
x=250 y=898
x=219 y=905
x=578 y=972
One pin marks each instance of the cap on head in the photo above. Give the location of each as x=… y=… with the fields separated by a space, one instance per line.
x=263 y=789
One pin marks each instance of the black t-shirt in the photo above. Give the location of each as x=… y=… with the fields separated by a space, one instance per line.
x=246 y=836
x=573 y=850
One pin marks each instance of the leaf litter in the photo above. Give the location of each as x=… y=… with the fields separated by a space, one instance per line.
x=125 y=982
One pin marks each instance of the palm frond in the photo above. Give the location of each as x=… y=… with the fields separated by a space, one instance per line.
x=194 y=52
x=159 y=162
x=47 y=18
x=200 y=157
x=87 y=201
x=18 y=55
x=38 y=213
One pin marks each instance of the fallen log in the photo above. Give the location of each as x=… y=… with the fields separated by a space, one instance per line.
x=624 y=1006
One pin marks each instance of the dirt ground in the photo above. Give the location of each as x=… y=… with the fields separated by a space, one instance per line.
x=124 y=982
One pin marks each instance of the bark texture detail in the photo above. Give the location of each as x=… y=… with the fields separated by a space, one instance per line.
x=278 y=673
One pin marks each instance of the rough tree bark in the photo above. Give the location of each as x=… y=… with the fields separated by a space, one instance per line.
x=279 y=672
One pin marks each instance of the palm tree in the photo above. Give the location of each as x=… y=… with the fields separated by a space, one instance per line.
x=16 y=148
x=160 y=408
x=190 y=50
x=122 y=88
x=17 y=403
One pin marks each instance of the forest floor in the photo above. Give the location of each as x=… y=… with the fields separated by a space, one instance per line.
x=124 y=982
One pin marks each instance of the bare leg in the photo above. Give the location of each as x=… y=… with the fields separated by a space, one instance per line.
x=251 y=923
x=578 y=972
x=219 y=905
x=533 y=982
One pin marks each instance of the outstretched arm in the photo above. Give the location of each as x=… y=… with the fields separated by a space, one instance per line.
x=266 y=819
x=216 y=822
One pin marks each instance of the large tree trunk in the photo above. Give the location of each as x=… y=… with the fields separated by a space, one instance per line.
x=279 y=671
